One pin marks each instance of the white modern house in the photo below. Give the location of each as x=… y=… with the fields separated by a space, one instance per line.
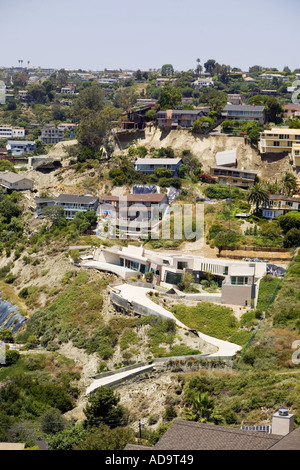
x=238 y=280
x=9 y=132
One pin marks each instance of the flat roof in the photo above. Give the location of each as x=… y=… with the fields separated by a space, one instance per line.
x=243 y=107
x=226 y=158
x=157 y=161
x=148 y=197
x=76 y=198
x=282 y=130
x=233 y=169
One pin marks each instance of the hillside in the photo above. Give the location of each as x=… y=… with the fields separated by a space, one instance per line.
x=206 y=147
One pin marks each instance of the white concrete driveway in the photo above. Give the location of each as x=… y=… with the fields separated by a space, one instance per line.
x=139 y=295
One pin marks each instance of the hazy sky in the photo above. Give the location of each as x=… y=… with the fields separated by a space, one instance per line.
x=139 y=34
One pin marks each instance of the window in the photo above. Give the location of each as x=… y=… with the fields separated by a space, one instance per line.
x=276 y=143
x=182 y=264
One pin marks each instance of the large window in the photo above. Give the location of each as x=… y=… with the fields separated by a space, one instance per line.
x=173 y=278
x=239 y=280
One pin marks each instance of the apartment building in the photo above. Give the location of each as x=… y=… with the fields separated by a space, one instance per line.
x=51 y=135
x=203 y=83
x=296 y=154
x=234 y=176
x=9 y=132
x=244 y=113
x=291 y=110
x=173 y=118
x=132 y=215
x=149 y=165
x=279 y=204
x=272 y=76
x=162 y=81
x=235 y=99
x=68 y=90
x=18 y=147
x=238 y=280
x=72 y=204
x=278 y=140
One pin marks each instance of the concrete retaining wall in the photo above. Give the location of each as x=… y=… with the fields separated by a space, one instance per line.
x=117 y=371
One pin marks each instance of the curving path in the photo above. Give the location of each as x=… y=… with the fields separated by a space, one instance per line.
x=139 y=295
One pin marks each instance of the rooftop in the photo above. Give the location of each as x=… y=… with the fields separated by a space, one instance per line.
x=190 y=435
x=157 y=161
x=243 y=107
x=12 y=177
x=148 y=197
x=227 y=157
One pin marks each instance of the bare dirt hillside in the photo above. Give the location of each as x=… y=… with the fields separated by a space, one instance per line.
x=206 y=147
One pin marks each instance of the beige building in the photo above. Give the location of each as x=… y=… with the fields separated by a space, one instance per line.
x=296 y=154
x=233 y=176
x=15 y=182
x=279 y=140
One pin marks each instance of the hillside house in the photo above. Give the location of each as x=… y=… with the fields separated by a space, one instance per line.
x=244 y=113
x=14 y=182
x=72 y=204
x=18 y=147
x=279 y=204
x=172 y=118
x=133 y=215
x=149 y=165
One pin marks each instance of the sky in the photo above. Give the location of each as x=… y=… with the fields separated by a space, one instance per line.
x=139 y=34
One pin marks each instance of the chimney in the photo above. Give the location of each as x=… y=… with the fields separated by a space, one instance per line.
x=282 y=422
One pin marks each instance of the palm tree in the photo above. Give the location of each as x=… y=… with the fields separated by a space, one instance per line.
x=290 y=185
x=257 y=194
x=203 y=408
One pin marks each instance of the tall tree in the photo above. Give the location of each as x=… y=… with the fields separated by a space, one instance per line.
x=90 y=98
x=167 y=70
x=170 y=97
x=257 y=194
x=290 y=183
x=210 y=66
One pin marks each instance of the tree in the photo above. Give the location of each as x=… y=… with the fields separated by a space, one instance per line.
x=292 y=238
x=37 y=93
x=167 y=70
x=199 y=67
x=103 y=407
x=52 y=421
x=210 y=66
x=54 y=213
x=170 y=97
x=257 y=194
x=68 y=438
x=289 y=221
x=125 y=97
x=202 y=408
x=6 y=335
x=20 y=79
x=90 y=98
x=60 y=78
x=104 y=438
x=290 y=184
x=93 y=128
x=226 y=239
